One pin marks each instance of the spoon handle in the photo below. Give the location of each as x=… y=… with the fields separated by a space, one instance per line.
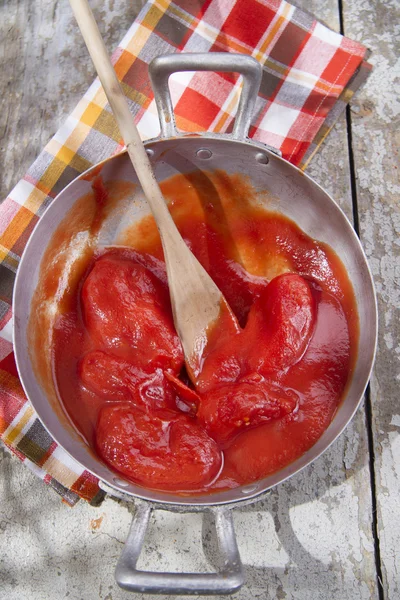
x=195 y=298
x=115 y=95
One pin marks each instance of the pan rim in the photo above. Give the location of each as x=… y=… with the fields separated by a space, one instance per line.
x=196 y=502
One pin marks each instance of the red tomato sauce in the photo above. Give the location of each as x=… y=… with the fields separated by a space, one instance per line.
x=269 y=385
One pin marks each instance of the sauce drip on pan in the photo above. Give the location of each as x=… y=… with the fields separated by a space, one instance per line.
x=266 y=391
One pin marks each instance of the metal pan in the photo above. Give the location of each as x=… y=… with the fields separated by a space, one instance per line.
x=302 y=200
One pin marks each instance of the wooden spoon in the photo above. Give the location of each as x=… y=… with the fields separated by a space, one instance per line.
x=196 y=300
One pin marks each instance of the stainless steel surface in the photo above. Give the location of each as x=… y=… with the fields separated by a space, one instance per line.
x=162 y=67
x=295 y=195
x=226 y=581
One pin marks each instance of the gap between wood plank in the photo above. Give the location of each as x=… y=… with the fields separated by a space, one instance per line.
x=368 y=403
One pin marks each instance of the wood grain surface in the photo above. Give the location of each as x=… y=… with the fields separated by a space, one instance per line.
x=332 y=531
x=375 y=120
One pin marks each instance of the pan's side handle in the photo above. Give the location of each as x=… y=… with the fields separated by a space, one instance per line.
x=227 y=581
x=162 y=67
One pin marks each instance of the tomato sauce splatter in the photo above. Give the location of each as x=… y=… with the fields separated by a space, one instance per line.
x=267 y=390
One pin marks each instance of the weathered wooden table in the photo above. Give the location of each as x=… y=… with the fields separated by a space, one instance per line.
x=331 y=532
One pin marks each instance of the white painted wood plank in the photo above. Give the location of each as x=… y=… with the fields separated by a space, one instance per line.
x=376 y=141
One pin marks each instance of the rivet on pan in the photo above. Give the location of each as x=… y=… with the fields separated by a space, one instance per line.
x=249 y=489
x=121 y=482
x=203 y=153
x=262 y=158
x=150 y=152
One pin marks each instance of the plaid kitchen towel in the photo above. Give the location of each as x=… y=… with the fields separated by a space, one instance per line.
x=310 y=73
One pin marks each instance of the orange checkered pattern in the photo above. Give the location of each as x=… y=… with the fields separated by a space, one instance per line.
x=309 y=74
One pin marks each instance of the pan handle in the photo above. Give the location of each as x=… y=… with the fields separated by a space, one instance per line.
x=163 y=66
x=227 y=581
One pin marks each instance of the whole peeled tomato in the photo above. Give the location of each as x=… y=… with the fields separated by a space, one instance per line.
x=278 y=330
x=157 y=450
x=228 y=410
x=126 y=309
x=280 y=324
x=116 y=378
x=111 y=377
